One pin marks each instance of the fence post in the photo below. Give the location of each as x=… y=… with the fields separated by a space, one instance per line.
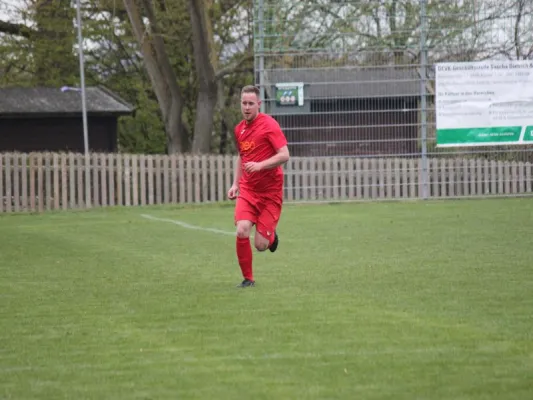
x=423 y=99
x=261 y=44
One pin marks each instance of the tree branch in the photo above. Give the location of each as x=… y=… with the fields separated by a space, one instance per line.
x=235 y=67
x=517 y=29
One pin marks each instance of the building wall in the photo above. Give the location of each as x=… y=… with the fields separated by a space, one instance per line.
x=56 y=134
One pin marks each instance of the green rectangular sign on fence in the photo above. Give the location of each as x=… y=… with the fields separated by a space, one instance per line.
x=290 y=94
x=484 y=103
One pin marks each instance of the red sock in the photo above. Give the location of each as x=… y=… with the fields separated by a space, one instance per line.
x=244 y=254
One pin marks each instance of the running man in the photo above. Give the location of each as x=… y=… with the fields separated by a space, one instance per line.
x=258 y=182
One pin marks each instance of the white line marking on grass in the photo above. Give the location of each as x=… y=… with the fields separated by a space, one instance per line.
x=187 y=226
x=315 y=355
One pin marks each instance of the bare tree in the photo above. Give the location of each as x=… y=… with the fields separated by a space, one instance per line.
x=162 y=76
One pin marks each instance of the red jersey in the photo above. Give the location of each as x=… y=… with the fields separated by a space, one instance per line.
x=258 y=141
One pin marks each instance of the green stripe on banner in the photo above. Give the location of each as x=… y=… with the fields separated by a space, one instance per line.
x=479 y=135
x=528 y=137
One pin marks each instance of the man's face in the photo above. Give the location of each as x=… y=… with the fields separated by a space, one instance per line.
x=249 y=106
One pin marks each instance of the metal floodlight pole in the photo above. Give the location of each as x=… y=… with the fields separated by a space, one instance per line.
x=261 y=17
x=83 y=107
x=423 y=98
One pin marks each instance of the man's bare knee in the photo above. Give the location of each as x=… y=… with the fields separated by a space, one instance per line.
x=261 y=243
x=261 y=247
x=243 y=229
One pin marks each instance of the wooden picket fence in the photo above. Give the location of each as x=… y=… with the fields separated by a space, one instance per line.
x=51 y=181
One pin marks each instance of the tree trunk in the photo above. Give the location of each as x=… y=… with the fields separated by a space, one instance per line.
x=203 y=124
x=224 y=131
x=225 y=124
x=177 y=141
x=207 y=91
x=162 y=76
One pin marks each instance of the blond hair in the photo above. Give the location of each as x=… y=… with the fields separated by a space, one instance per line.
x=251 y=89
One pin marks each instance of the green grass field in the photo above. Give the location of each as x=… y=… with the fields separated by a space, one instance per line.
x=419 y=300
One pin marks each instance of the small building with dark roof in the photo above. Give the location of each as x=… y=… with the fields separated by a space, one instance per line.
x=346 y=111
x=50 y=119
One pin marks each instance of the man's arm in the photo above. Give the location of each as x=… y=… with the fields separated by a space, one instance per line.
x=238 y=172
x=281 y=157
x=234 y=189
x=278 y=141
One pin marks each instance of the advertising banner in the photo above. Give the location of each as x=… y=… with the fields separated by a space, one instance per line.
x=484 y=103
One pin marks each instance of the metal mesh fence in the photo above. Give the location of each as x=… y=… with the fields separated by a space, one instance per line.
x=357 y=79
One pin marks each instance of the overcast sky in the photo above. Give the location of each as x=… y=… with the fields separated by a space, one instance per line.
x=8 y=9
x=7 y=5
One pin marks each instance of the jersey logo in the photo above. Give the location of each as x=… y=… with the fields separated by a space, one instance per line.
x=243 y=130
x=247 y=146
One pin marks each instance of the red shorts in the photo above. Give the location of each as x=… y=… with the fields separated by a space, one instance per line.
x=263 y=210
